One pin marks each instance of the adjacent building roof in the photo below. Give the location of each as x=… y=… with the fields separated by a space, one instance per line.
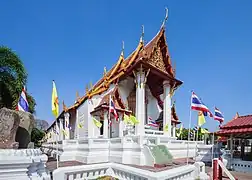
x=239 y=126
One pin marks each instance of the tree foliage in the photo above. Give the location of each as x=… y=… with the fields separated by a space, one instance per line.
x=184 y=134
x=13 y=77
x=36 y=136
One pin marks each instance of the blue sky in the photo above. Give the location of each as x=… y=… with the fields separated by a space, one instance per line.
x=209 y=41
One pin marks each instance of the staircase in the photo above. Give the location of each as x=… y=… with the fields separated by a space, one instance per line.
x=161 y=154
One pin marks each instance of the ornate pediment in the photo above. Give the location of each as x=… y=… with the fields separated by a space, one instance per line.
x=156 y=60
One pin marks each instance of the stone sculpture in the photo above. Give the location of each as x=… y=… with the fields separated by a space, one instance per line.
x=15 y=128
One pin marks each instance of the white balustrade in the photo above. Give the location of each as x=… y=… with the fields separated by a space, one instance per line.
x=122 y=172
x=23 y=163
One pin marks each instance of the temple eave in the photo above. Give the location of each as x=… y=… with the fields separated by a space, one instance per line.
x=106 y=107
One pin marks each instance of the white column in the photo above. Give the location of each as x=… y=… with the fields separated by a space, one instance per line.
x=54 y=132
x=167 y=108
x=140 y=102
x=67 y=125
x=121 y=125
x=61 y=135
x=174 y=130
x=105 y=125
x=58 y=130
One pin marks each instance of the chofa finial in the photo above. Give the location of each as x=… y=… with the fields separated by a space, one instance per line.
x=142 y=35
x=123 y=45
x=166 y=17
x=104 y=71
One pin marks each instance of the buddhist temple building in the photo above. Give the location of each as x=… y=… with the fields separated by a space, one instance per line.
x=142 y=86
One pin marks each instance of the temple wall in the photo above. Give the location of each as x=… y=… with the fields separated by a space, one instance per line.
x=85 y=119
x=125 y=88
x=153 y=109
x=82 y=118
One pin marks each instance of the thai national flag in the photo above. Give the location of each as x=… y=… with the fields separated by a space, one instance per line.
x=195 y=128
x=151 y=122
x=198 y=105
x=112 y=109
x=218 y=115
x=23 y=103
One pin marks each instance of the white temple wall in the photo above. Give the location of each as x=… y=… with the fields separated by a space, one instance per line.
x=115 y=128
x=153 y=109
x=82 y=119
x=85 y=118
x=125 y=87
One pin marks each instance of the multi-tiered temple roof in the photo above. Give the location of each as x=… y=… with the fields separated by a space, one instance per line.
x=154 y=56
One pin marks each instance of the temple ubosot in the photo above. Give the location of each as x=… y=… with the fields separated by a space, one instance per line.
x=141 y=85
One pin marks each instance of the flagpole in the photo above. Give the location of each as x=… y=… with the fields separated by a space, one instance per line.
x=213 y=146
x=110 y=130
x=57 y=144
x=190 y=121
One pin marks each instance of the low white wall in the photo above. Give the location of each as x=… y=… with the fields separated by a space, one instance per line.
x=123 y=172
x=23 y=164
x=241 y=166
x=126 y=150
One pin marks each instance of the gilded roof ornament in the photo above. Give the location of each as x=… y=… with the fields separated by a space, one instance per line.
x=104 y=71
x=77 y=96
x=142 y=35
x=91 y=85
x=166 y=17
x=64 y=106
x=87 y=89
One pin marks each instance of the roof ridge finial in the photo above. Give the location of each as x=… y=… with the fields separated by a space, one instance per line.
x=142 y=35
x=166 y=17
x=122 y=54
x=77 y=95
x=64 y=106
x=104 y=71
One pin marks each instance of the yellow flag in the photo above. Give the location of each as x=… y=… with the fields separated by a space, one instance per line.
x=64 y=132
x=204 y=131
x=97 y=123
x=133 y=119
x=166 y=128
x=201 y=119
x=55 y=101
x=80 y=125
x=180 y=130
x=126 y=119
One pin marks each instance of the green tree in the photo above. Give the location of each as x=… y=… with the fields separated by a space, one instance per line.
x=13 y=77
x=36 y=136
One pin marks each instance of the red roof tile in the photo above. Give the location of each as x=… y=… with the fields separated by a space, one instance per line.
x=240 y=121
x=234 y=131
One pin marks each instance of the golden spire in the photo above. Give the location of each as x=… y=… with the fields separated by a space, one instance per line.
x=166 y=17
x=142 y=35
x=174 y=69
x=122 y=53
x=77 y=96
x=86 y=89
x=64 y=106
x=104 y=71
x=91 y=85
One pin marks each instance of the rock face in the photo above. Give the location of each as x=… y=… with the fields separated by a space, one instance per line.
x=15 y=128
